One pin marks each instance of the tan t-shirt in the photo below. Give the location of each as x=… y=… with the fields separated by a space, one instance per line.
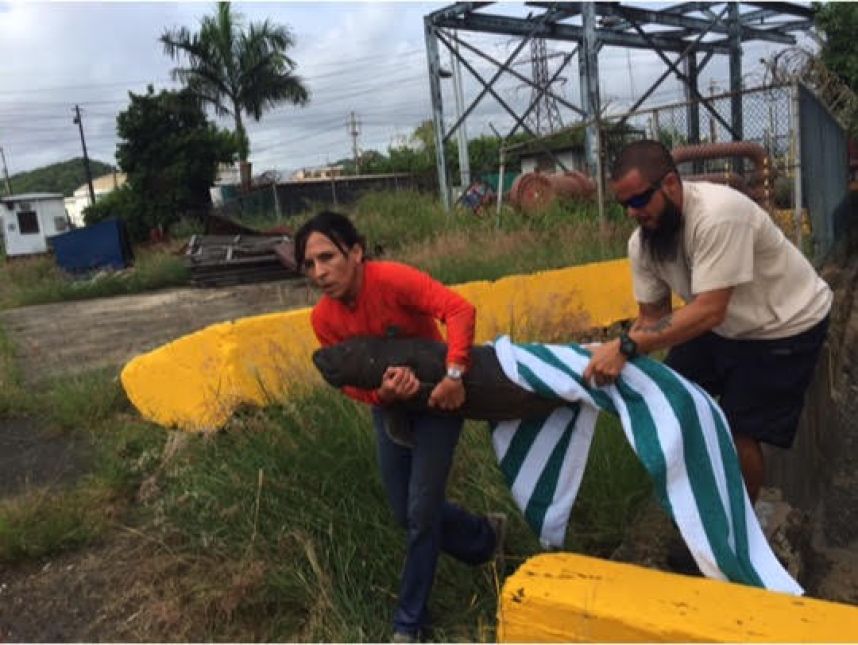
x=729 y=241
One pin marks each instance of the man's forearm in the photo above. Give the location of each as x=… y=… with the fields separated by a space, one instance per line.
x=675 y=327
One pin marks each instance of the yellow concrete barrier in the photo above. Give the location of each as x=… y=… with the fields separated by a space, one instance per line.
x=196 y=382
x=567 y=597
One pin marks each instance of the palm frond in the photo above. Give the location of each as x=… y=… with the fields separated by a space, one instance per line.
x=236 y=68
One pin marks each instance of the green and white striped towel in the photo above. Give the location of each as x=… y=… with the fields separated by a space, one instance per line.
x=676 y=429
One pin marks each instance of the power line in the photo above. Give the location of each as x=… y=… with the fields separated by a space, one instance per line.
x=340 y=71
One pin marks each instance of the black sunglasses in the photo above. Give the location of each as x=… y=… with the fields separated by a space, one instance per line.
x=642 y=199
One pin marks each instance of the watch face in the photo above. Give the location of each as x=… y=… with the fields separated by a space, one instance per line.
x=454 y=373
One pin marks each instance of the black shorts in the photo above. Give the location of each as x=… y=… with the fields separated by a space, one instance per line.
x=760 y=384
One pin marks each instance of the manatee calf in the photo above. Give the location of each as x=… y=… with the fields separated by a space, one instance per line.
x=490 y=395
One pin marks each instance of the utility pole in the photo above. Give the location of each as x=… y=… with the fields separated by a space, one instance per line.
x=79 y=122
x=354 y=131
x=6 y=173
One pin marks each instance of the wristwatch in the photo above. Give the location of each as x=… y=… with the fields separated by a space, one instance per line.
x=628 y=347
x=455 y=373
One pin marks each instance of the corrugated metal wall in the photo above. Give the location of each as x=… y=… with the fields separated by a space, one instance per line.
x=824 y=171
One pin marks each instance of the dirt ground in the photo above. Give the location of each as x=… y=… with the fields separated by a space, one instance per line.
x=106 y=592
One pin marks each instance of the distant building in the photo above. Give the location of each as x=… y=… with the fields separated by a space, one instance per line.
x=226 y=183
x=322 y=172
x=228 y=174
x=101 y=186
x=29 y=219
x=534 y=159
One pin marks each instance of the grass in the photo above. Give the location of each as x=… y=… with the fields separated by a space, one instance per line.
x=91 y=411
x=414 y=228
x=295 y=487
x=405 y=226
x=13 y=397
x=277 y=527
x=37 y=280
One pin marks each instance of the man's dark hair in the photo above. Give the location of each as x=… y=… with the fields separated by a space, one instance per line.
x=650 y=158
x=336 y=227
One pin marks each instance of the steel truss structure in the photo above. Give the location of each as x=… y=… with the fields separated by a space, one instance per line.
x=693 y=31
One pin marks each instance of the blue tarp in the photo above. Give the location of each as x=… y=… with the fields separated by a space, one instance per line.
x=102 y=245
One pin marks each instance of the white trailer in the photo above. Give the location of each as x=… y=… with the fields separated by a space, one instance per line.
x=29 y=219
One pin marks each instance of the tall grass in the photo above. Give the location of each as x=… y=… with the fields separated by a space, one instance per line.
x=407 y=226
x=36 y=280
x=278 y=525
x=13 y=396
x=296 y=487
x=90 y=410
x=42 y=522
x=459 y=246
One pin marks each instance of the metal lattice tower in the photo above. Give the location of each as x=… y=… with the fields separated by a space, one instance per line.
x=545 y=118
x=685 y=36
x=353 y=126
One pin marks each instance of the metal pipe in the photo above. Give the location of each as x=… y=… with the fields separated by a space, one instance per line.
x=761 y=180
x=462 y=134
x=434 y=62
x=795 y=137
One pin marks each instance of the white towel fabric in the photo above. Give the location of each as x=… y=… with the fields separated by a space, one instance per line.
x=675 y=428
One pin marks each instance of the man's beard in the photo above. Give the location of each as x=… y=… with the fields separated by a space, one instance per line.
x=662 y=242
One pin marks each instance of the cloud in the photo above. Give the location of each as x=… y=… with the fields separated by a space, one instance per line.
x=367 y=58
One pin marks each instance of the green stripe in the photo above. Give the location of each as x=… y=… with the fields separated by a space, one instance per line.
x=735 y=493
x=699 y=469
x=546 y=486
x=544 y=354
x=518 y=448
x=646 y=441
x=539 y=386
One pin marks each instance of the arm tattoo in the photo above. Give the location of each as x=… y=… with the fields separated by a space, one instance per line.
x=658 y=326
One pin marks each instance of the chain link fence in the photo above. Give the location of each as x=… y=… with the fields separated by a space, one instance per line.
x=279 y=200
x=806 y=189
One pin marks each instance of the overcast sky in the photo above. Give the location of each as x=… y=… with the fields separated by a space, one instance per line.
x=366 y=58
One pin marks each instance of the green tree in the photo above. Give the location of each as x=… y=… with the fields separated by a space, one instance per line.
x=170 y=152
x=236 y=70
x=838 y=24
x=671 y=137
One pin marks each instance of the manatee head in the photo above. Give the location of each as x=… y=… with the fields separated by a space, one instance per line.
x=359 y=362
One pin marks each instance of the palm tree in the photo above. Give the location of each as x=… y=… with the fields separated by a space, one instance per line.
x=236 y=70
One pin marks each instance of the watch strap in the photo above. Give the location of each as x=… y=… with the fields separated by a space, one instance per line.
x=628 y=347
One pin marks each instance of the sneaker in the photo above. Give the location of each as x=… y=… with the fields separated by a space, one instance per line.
x=403 y=637
x=498 y=523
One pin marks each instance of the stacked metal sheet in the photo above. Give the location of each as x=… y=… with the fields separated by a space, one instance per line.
x=222 y=260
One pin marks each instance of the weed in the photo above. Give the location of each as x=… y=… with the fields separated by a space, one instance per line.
x=36 y=280
x=43 y=522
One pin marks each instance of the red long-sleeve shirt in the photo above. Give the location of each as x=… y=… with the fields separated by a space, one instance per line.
x=397 y=297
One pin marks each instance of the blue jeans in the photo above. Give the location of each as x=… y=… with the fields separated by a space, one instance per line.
x=415 y=480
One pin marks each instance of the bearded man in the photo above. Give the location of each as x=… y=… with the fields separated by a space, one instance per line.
x=756 y=312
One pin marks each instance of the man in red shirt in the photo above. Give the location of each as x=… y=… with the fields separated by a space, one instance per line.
x=388 y=299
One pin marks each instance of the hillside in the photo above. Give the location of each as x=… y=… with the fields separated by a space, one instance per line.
x=62 y=177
